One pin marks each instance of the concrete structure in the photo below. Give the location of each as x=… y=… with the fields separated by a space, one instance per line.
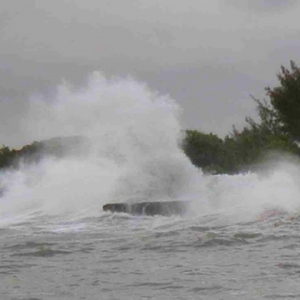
x=149 y=208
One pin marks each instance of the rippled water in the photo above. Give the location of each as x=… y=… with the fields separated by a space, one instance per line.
x=117 y=256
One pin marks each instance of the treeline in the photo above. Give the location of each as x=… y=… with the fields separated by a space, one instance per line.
x=9 y=158
x=278 y=129
x=33 y=153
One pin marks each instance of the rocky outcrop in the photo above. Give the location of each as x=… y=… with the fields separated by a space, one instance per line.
x=149 y=208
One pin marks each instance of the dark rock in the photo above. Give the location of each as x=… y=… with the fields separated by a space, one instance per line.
x=149 y=208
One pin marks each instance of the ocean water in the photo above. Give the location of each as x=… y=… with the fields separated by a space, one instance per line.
x=239 y=239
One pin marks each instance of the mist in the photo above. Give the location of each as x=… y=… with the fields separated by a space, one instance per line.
x=130 y=150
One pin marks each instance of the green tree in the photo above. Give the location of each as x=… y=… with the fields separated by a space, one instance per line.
x=282 y=112
x=7 y=157
x=204 y=150
x=277 y=130
x=250 y=145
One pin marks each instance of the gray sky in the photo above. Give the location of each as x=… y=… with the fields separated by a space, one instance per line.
x=208 y=55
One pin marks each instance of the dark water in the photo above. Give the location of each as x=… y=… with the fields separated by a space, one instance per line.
x=117 y=256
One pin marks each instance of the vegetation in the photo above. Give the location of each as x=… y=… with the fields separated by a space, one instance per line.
x=33 y=153
x=7 y=157
x=277 y=130
x=207 y=151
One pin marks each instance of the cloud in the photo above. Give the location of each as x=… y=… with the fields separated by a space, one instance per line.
x=264 y=6
x=135 y=31
x=209 y=55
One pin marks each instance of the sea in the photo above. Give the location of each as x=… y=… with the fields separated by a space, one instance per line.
x=239 y=239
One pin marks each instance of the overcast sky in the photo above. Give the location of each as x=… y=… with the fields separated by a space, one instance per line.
x=209 y=55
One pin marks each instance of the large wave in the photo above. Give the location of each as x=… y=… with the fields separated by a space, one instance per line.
x=131 y=149
x=130 y=152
